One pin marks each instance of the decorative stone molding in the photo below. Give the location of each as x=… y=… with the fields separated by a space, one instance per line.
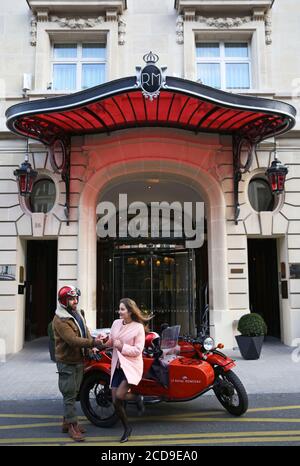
x=111 y=15
x=121 y=30
x=213 y=7
x=33 y=31
x=257 y=10
x=258 y=14
x=180 y=30
x=189 y=15
x=77 y=23
x=80 y=7
x=268 y=28
x=42 y=16
x=224 y=23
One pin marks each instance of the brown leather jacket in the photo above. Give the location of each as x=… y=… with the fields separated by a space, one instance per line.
x=69 y=343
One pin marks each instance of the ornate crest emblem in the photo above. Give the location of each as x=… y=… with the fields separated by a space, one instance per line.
x=150 y=78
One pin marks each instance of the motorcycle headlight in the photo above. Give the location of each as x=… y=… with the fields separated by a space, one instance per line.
x=208 y=344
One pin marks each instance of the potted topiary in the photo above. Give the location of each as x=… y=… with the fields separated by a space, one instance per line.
x=252 y=328
x=51 y=342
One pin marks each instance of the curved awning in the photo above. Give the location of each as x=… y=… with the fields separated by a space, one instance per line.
x=120 y=104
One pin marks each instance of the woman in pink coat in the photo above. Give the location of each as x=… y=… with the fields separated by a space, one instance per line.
x=127 y=338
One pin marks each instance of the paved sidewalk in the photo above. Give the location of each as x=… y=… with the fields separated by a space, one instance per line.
x=31 y=375
x=276 y=371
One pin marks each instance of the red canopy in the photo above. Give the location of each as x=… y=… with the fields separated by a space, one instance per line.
x=120 y=104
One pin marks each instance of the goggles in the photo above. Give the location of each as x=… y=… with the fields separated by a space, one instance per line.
x=74 y=293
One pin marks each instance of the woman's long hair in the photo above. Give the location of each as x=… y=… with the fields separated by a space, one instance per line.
x=136 y=314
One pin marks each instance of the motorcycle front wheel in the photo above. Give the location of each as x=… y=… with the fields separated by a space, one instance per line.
x=231 y=393
x=96 y=401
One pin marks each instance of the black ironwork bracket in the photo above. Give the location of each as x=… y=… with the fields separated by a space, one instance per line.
x=65 y=176
x=241 y=146
x=63 y=166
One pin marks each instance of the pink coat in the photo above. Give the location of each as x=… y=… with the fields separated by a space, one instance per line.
x=131 y=358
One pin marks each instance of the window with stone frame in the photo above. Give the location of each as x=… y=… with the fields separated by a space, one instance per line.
x=223 y=64
x=260 y=195
x=78 y=65
x=81 y=24
x=223 y=22
x=42 y=198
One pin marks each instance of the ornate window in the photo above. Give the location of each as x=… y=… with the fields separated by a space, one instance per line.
x=245 y=24
x=224 y=65
x=76 y=43
x=260 y=195
x=42 y=198
x=78 y=66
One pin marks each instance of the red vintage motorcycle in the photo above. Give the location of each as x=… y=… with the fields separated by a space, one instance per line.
x=197 y=367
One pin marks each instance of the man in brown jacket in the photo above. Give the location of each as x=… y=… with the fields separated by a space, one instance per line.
x=72 y=337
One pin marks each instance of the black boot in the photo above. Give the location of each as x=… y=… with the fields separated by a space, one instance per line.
x=126 y=434
x=140 y=405
x=120 y=410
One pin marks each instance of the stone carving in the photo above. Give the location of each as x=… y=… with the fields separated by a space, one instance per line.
x=33 y=31
x=223 y=23
x=77 y=23
x=42 y=16
x=258 y=14
x=121 y=31
x=179 y=30
x=189 y=14
x=111 y=15
x=268 y=28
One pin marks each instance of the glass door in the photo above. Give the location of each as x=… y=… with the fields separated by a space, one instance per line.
x=173 y=289
x=161 y=282
x=132 y=278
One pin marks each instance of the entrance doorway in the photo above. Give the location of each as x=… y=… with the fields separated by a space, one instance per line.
x=41 y=281
x=155 y=268
x=168 y=282
x=161 y=282
x=263 y=282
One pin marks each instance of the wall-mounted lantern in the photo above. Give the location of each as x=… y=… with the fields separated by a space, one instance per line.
x=25 y=176
x=276 y=174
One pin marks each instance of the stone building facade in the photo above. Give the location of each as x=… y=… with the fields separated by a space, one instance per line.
x=42 y=250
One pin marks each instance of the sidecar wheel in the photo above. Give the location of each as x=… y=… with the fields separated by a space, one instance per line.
x=96 y=401
x=231 y=393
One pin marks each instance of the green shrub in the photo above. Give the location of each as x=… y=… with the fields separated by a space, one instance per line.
x=252 y=325
x=50 y=331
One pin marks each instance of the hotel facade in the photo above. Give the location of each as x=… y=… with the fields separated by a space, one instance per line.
x=185 y=101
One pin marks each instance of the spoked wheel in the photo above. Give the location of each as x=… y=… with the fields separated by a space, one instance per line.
x=231 y=393
x=96 y=401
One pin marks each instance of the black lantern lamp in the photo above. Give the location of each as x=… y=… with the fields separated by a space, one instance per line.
x=25 y=176
x=276 y=174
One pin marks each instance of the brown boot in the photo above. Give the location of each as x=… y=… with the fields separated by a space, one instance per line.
x=81 y=429
x=65 y=427
x=75 y=433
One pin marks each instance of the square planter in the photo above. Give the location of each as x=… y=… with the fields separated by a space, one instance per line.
x=250 y=347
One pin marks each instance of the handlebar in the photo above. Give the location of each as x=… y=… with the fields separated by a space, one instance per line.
x=192 y=340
